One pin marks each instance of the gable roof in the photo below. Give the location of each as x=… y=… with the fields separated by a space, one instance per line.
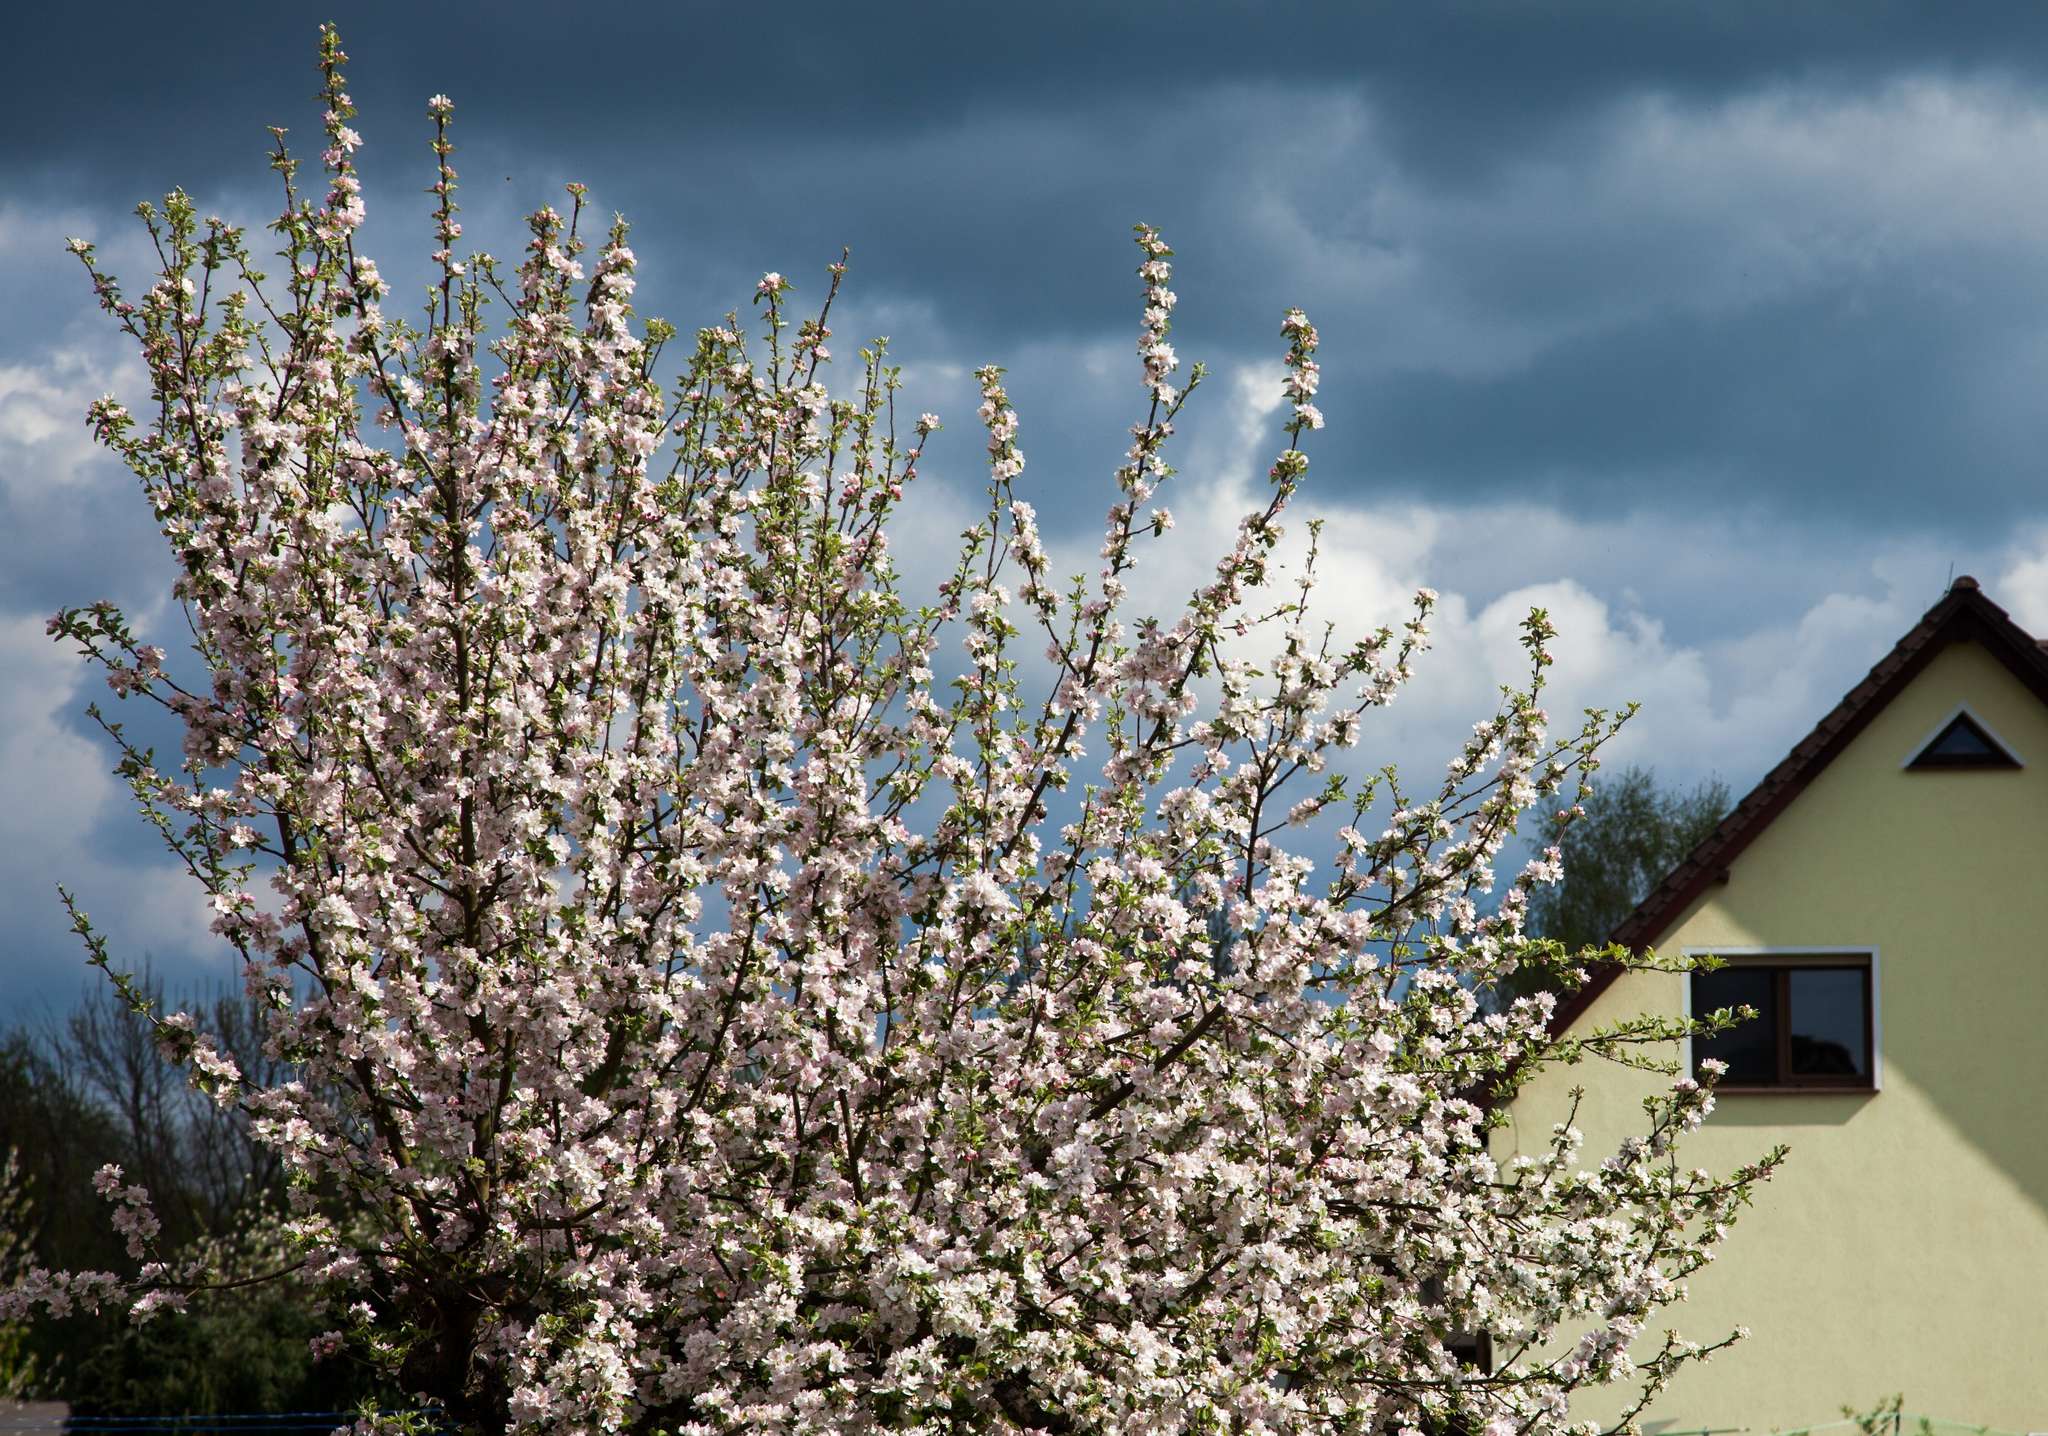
x=1964 y=614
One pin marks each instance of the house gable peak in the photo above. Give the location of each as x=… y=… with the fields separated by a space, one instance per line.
x=1963 y=614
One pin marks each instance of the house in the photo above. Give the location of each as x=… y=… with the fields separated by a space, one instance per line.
x=1881 y=899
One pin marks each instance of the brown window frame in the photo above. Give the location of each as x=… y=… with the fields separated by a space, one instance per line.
x=1781 y=966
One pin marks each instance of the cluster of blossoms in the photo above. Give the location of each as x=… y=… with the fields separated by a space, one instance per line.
x=1303 y=377
x=697 y=1022
x=134 y=1218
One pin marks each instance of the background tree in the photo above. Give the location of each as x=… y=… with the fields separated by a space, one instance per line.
x=644 y=908
x=96 y=1088
x=1627 y=834
x=1633 y=833
x=18 y=1365
x=59 y=1139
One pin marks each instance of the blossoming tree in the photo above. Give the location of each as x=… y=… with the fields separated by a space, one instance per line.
x=701 y=1016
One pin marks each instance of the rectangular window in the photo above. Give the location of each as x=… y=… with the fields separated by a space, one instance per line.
x=1813 y=1025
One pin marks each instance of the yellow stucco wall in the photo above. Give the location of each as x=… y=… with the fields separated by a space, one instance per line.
x=1903 y=1247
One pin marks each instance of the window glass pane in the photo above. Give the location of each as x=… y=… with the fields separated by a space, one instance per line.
x=1963 y=742
x=1749 y=1048
x=1827 y=1020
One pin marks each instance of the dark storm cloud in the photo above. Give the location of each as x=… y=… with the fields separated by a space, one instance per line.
x=1860 y=412
x=987 y=169
x=1467 y=79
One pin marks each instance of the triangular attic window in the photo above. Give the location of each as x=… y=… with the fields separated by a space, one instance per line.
x=1963 y=744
